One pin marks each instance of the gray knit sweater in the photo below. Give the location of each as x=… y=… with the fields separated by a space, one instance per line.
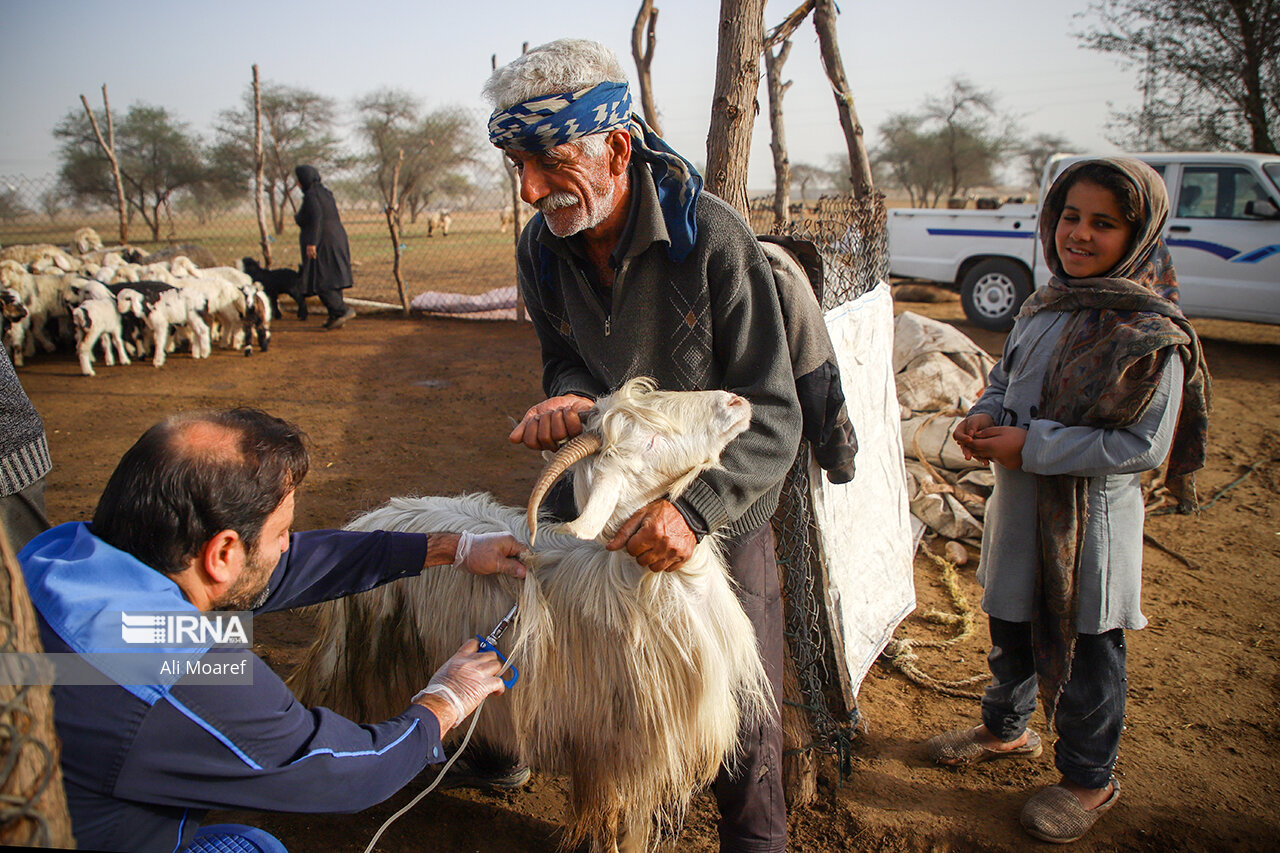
x=711 y=321
x=24 y=453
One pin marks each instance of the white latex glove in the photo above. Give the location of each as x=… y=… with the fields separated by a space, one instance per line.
x=466 y=679
x=489 y=553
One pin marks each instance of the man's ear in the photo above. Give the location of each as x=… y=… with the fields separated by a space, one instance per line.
x=619 y=145
x=222 y=557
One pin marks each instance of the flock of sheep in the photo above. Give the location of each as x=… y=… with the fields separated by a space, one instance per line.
x=126 y=305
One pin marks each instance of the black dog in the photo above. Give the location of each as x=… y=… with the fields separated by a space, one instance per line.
x=277 y=282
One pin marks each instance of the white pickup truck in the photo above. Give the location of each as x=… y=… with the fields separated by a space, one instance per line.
x=1223 y=233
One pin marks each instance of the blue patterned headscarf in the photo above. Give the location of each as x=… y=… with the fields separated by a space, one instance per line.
x=545 y=122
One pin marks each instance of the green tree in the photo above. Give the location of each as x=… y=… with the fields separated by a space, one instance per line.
x=158 y=156
x=955 y=142
x=1035 y=153
x=1211 y=71
x=11 y=204
x=297 y=128
x=437 y=147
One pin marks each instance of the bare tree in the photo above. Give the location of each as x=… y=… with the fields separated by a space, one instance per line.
x=646 y=28
x=780 y=36
x=824 y=21
x=733 y=107
x=1212 y=70
x=393 y=225
x=259 y=194
x=1036 y=152
x=108 y=146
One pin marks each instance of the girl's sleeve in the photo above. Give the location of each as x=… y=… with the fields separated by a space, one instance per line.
x=1082 y=451
x=992 y=400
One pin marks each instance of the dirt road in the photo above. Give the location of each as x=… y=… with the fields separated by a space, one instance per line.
x=420 y=406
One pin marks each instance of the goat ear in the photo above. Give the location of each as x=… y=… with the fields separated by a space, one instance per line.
x=606 y=488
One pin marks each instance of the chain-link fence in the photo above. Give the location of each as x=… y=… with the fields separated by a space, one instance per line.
x=850 y=235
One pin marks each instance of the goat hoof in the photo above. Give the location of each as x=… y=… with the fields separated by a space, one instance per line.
x=248 y=351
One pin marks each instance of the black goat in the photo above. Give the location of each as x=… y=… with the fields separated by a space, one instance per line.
x=276 y=282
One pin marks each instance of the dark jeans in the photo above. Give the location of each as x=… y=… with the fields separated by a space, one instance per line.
x=1090 y=713
x=753 y=810
x=333 y=303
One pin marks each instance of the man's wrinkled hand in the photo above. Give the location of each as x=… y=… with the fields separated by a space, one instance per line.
x=551 y=422
x=657 y=536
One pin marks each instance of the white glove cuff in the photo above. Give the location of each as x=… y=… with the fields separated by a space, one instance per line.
x=443 y=690
x=464 y=549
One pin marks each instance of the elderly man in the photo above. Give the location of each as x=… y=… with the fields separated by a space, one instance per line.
x=197 y=517
x=629 y=269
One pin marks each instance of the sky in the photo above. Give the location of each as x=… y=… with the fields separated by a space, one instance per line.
x=195 y=59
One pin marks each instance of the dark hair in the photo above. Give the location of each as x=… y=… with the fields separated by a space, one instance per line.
x=167 y=498
x=1132 y=206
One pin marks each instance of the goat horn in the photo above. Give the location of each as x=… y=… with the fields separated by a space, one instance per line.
x=576 y=449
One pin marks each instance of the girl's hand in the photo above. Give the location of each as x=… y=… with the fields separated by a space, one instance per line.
x=1002 y=444
x=965 y=431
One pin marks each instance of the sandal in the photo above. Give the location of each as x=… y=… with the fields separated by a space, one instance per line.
x=1056 y=816
x=960 y=747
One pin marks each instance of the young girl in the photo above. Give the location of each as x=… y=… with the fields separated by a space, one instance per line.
x=1101 y=379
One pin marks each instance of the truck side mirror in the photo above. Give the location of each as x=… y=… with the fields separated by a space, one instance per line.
x=1262 y=209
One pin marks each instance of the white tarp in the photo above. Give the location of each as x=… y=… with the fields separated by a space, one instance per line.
x=864 y=529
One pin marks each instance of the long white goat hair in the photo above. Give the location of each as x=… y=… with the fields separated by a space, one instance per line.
x=633 y=683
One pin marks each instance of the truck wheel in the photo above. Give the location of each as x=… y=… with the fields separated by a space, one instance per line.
x=992 y=292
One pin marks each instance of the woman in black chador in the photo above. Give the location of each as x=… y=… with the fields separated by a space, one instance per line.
x=326 y=257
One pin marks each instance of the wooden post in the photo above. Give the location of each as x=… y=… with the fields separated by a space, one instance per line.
x=393 y=223
x=35 y=804
x=646 y=19
x=517 y=219
x=733 y=107
x=259 y=202
x=824 y=21
x=780 y=36
x=109 y=147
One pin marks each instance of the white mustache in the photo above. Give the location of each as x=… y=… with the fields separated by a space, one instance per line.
x=555 y=201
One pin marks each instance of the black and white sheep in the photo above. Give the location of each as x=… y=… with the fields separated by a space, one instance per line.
x=283 y=281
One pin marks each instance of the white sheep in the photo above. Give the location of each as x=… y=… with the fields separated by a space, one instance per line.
x=86 y=240
x=98 y=320
x=173 y=307
x=12 y=329
x=42 y=295
x=633 y=683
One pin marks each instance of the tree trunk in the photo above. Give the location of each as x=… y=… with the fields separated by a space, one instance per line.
x=393 y=223
x=646 y=19
x=109 y=147
x=781 y=164
x=35 y=803
x=258 y=199
x=516 y=213
x=733 y=107
x=824 y=21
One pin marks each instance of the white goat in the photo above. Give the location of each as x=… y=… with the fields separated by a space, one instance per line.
x=633 y=683
x=173 y=307
x=98 y=320
x=12 y=329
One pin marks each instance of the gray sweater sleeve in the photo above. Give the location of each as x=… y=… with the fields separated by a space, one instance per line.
x=992 y=400
x=1082 y=451
x=750 y=342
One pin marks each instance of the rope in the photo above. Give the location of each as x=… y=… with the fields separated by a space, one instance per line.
x=900 y=652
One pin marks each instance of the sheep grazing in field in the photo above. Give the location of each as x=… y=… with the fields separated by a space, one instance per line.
x=439 y=220
x=277 y=282
x=98 y=320
x=633 y=683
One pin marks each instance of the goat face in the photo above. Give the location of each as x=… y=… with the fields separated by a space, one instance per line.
x=638 y=445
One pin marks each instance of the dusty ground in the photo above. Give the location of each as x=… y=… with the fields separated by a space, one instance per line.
x=397 y=406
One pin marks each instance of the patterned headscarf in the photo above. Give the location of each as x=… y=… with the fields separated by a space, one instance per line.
x=545 y=122
x=1104 y=373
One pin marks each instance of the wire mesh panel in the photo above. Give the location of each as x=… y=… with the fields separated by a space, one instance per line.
x=850 y=235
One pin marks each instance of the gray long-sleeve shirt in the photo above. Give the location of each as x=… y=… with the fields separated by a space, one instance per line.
x=1112 y=459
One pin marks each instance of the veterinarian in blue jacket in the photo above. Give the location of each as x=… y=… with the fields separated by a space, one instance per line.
x=196 y=517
